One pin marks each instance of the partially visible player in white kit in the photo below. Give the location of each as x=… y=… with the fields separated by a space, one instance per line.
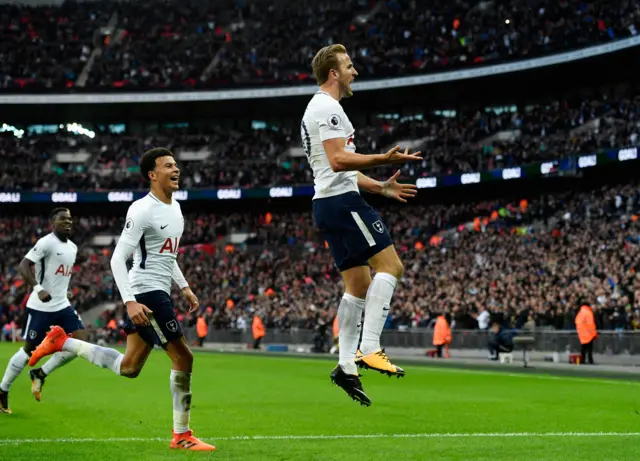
x=152 y=232
x=355 y=232
x=54 y=256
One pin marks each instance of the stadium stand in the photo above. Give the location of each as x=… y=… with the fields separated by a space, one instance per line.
x=507 y=260
x=196 y=44
x=453 y=142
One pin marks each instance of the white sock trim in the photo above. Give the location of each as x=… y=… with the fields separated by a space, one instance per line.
x=353 y=299
x=22 y=355
x=72 y=345
x=387 y=277
x=118 y=365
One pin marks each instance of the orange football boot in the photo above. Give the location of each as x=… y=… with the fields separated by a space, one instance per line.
x=186 y=441
x=51 y=344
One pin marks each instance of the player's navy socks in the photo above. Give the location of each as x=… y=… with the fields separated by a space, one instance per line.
x=103 y=357
x=14 y=368
x=181 y=392
x=57 y=360
x=349 y=317
x=376 y=310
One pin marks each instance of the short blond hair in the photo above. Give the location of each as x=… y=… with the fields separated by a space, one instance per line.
x=325 y=60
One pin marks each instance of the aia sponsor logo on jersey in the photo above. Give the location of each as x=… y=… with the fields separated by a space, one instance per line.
x=63 y=270
x=170 y=245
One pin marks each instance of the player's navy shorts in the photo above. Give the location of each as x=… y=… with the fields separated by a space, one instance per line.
x=164 y=324
x=353 y=229
x=38 y=323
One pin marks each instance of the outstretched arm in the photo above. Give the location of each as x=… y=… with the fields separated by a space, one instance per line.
x=389 y=188
x=342 y=159
x=331 y=127
x=368 y=184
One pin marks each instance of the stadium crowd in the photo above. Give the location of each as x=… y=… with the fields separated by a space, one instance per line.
x=184 y=44
x=462 y=259
x=464 y=141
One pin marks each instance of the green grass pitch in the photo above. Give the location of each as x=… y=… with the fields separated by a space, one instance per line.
x=275 y=408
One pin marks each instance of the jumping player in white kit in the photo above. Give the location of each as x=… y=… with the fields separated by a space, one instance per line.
x=152 y=232
x=53 y=256
x=355 y=232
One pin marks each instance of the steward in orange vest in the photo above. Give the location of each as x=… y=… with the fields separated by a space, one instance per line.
x=202 y=329
x=442 y=335
x=587 y=333
x=258 y=331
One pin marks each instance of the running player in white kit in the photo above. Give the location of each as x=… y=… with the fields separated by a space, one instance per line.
x=152 y=232
x=53 y=256
x=355 y=232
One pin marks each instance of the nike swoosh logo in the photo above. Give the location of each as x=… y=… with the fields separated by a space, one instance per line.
x=386 y=309
x=59 y=254
x=162 y=227
x=359 y=325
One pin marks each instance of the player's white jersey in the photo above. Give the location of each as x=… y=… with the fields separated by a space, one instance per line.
x=155 y=229
x=324 y=119
x=54 y=260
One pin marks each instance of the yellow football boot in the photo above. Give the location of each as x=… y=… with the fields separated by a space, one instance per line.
x=380 y=362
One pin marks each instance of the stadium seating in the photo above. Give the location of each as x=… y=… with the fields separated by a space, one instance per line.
x=196 y=44
x=453 y=142
x=509 y=262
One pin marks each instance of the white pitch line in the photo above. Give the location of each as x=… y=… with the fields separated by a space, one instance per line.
x=585 y=379
x=443 y=435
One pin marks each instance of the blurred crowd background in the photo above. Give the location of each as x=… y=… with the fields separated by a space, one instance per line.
x=182 y=44
x=526 y=260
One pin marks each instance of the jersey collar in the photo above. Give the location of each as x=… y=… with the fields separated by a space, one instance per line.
x=58 y=239
x=157 y=199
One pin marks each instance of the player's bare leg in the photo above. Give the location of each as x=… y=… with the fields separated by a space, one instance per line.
x=181 y=368
x=389 y=269
x=135 y=356
x=14 y=368
x=59 y=359
x=345 y=375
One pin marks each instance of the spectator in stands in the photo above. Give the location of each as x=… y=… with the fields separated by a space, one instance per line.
x=483 y=318
x=286 y=272
x=191 y=44
x=464 y=142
